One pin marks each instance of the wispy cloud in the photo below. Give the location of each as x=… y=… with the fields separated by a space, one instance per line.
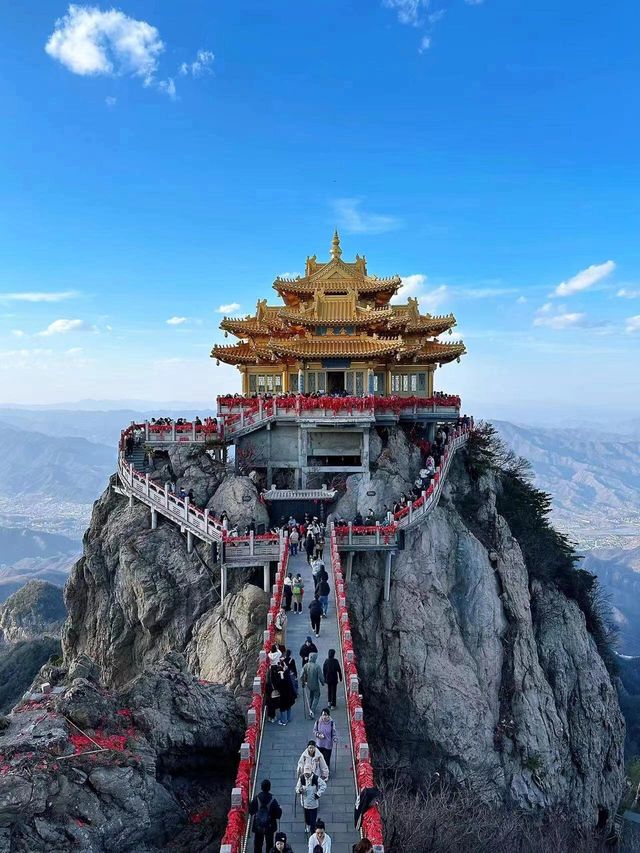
x=63 y=327
x=633 y=324
x=354 y=220
x=558 y=318
x=584 y=279
x=415 y=286
x=485 y=292
x=521 y=300
x=89 y=41
x=421 y=14
x=229 y=308
x=200 y=66
x=176 y=321
x=627 y=293
x=110 y=101
x=168 y=87
x=38 y=296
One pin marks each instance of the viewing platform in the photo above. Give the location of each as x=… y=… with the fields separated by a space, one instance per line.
x=238 y=416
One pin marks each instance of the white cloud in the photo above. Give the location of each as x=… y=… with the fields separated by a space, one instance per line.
x=485 y=292
x=73 y=351
x=434 y=298
x=356 y=221
x=17 y=333
x=633 y=324
x=176 y=321
x=625 y=293
x=409 y=11
x=110 y=101
x=584 y=279
x=36 y=296
x=63 y=327
x=558 y=319
x=411 y=285
x=228 y=309
x=89 y=41
x=425 y=44
x=168 y=86
x=521 y=300
x=200 y=66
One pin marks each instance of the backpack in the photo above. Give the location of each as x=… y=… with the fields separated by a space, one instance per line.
x=297 y=589
x=262 y=820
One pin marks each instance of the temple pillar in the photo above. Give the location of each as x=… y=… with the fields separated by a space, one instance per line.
x=387 y=576
x=364 y=459
x=245 y=381
x=266 y=577
x=285 y=380
x=154 y=519
x=369 y=380
x=189 y=541
x=430 y=373
x=387 y=383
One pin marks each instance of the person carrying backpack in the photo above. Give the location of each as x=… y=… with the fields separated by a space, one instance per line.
x=310 y=787
x=315 y=614
x=332 y=674
x=266 y=814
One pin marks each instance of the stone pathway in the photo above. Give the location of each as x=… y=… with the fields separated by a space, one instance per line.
x=282 y=746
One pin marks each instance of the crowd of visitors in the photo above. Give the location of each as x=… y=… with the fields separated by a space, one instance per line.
x=288 y=682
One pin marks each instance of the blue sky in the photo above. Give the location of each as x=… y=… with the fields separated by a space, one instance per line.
x=159 y=161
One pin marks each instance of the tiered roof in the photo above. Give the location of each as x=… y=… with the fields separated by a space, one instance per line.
x=338 y=310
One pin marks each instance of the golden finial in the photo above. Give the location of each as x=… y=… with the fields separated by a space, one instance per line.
x=336 y=251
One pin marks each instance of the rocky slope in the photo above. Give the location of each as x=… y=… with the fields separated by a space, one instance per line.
x=474 y=672
x=155 y=677
x=34 y=611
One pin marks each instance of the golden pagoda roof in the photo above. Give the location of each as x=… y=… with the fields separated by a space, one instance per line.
x=329 y=310
x=408 y=318
x=239 y=353
x=337 y=276
x=343 y=346
x=433 y=352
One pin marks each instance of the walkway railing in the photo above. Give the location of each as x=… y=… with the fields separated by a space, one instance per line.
x=409 y=516
x=238 y=816
x=191 y=518
x=371 y=821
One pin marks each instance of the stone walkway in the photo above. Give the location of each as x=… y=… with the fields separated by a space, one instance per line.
x=282 y=746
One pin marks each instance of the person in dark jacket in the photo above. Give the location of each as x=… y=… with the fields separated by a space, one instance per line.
x=306 y=648
x=323 y=589
x=287 y=693
x=315 y=614
x=281 y=845
x=310 y=546
x=273 y=693
x=332 y=674
x=293 y=669
x=266 y=813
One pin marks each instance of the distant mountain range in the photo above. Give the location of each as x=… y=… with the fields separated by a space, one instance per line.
x=593 y=476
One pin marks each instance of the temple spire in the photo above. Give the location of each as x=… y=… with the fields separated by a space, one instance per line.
x=336 y=251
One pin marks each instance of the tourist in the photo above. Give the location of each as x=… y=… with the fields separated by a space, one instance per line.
x=320 y=839
x=323 y=589
x=358 y=520
x=309 y=546
x=310 y=787
x=370 y=520
x=306 y=648
x=315 y=614
x=281 y=844
x=287 y=693
x=272 y=694
x=293 y=669
x=281 y=626
x=266 y=814
x=298 y=592
x=325 y=734
x=287 y=591
x=332 y=674
x=294 y=538
x=363 y=846
x=274 y=655
x=313 y=679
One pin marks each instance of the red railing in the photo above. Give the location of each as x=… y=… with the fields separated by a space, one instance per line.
x=372 y=821
x=238 y=814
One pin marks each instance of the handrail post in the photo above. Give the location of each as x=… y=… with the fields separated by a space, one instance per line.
x=350 y=539
x=186 y=507
x=146 y=430
x=260 y=407
x=410 y=511
x=377 y=532
x=146 y=485
x=206 y=522
x=251 y=543
x=241 y=417
x=166 y=495
x=173 y=430
x=193 y=429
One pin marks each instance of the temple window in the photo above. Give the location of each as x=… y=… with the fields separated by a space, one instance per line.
x=252 y=383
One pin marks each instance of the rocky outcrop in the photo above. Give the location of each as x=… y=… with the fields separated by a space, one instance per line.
x=37 y=610
x=190 y=467
x=395 y=463
x=137 y=594
x=140 y=769
x=227 y=640
x=239 y=497
x=474 y=672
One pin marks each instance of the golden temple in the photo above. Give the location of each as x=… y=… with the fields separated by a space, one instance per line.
x=338 y=332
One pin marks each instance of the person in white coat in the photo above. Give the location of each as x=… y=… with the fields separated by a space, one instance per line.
x=320 y=839
x=310 y=787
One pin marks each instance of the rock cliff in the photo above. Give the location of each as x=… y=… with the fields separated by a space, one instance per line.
x=477 y=672
x=37 y=610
